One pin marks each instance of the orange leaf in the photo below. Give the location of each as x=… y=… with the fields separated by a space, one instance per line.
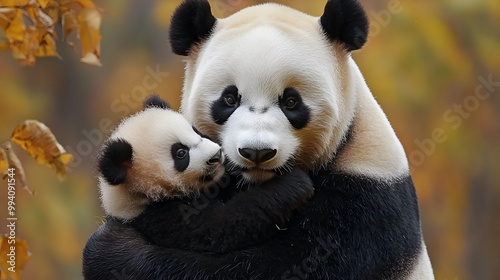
x=37 y=139
x=14 y=162
x=14 y=254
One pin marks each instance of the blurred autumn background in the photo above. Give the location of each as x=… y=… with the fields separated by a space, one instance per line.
x=434 y=66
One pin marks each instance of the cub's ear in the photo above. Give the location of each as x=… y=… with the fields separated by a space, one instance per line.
x=345 y=21
x=155 y=101
x=115 y=160
x=192 y=23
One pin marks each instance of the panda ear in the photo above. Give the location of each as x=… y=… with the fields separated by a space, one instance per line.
x=192 y=23
x=115 y=160
x=155 y=101
x=345 y=21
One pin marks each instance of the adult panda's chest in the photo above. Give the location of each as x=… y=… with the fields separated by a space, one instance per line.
x=354 y=219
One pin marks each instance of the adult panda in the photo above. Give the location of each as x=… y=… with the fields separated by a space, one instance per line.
x=278 y=87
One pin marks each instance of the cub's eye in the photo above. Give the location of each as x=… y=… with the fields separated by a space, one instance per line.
x=290 y=103
x=230 y=100
x=181 y=153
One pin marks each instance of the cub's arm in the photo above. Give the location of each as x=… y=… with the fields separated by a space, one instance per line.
x=210 y=225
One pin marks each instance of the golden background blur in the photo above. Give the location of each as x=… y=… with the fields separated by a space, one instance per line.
x=427 y=62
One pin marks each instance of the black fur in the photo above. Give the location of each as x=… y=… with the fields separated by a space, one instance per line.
x=299 y=115
x=221 y=109
x=180 y=164
x=207 y=224
x=192 y=23
x=155 y=101
x=114 y=160
x=345 y=21
x=353 y=228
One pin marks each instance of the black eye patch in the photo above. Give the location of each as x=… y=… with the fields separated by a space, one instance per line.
x=225 y=106
x=295 y=110
x=180 y=155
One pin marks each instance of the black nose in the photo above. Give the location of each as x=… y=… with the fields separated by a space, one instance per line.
x=216 y=158
x=257 y=156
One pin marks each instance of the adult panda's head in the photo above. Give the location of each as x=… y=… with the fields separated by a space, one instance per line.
x=276 y=86
x=152 y=155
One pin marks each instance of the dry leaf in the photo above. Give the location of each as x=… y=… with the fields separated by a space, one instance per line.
x=14 y=162
x=90 y=21
x=12 y=3
x=47 y=47
x=6 y=16
x=4 y=164
x=4 y=46
x=37 y=139
x=22 y=255
x=27 y=24
x=69 y=23
x=44 y=3
x=14 y=31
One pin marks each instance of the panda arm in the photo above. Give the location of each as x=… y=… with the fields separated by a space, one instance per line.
x=248 y=218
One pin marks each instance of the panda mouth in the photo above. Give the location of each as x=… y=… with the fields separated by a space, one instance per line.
x=259 y=174
x=212 y=174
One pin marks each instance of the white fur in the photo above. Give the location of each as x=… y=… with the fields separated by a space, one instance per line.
x=152 y=175
x=262 y=51
x=375 y=150
x=423 y=268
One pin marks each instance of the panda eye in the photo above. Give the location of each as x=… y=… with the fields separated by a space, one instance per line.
x=290 y=103
x=181 y=153
x=230 y=100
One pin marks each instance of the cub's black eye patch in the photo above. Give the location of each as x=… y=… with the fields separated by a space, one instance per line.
x=295 y=110
x=180 y=155
x=225 y=106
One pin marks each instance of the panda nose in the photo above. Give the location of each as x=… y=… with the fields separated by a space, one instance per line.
x=257 y=156
x=215 y=158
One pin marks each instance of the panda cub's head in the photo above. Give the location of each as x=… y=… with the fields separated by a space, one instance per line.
x=152 y=155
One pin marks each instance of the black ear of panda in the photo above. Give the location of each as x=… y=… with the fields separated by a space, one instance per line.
x=155 y=101
x=345 y=21
x=192 y=23
x=115 y=160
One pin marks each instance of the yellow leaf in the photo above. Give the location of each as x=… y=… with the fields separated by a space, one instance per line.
x=81 y=3
x=53 y=10
x=15 y=163
x=15 y=29
x=4 y=164
x=37 y=139
x=69 y=23
x=13 y=3
x=90 y=21
x=91 y=58
x=11 y=245
x=47 y=47
x=4 y=46
x=86 y=3
x=44 y=3
x=6 y=16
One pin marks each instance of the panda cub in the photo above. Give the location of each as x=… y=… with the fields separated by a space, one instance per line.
x=157 y=155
